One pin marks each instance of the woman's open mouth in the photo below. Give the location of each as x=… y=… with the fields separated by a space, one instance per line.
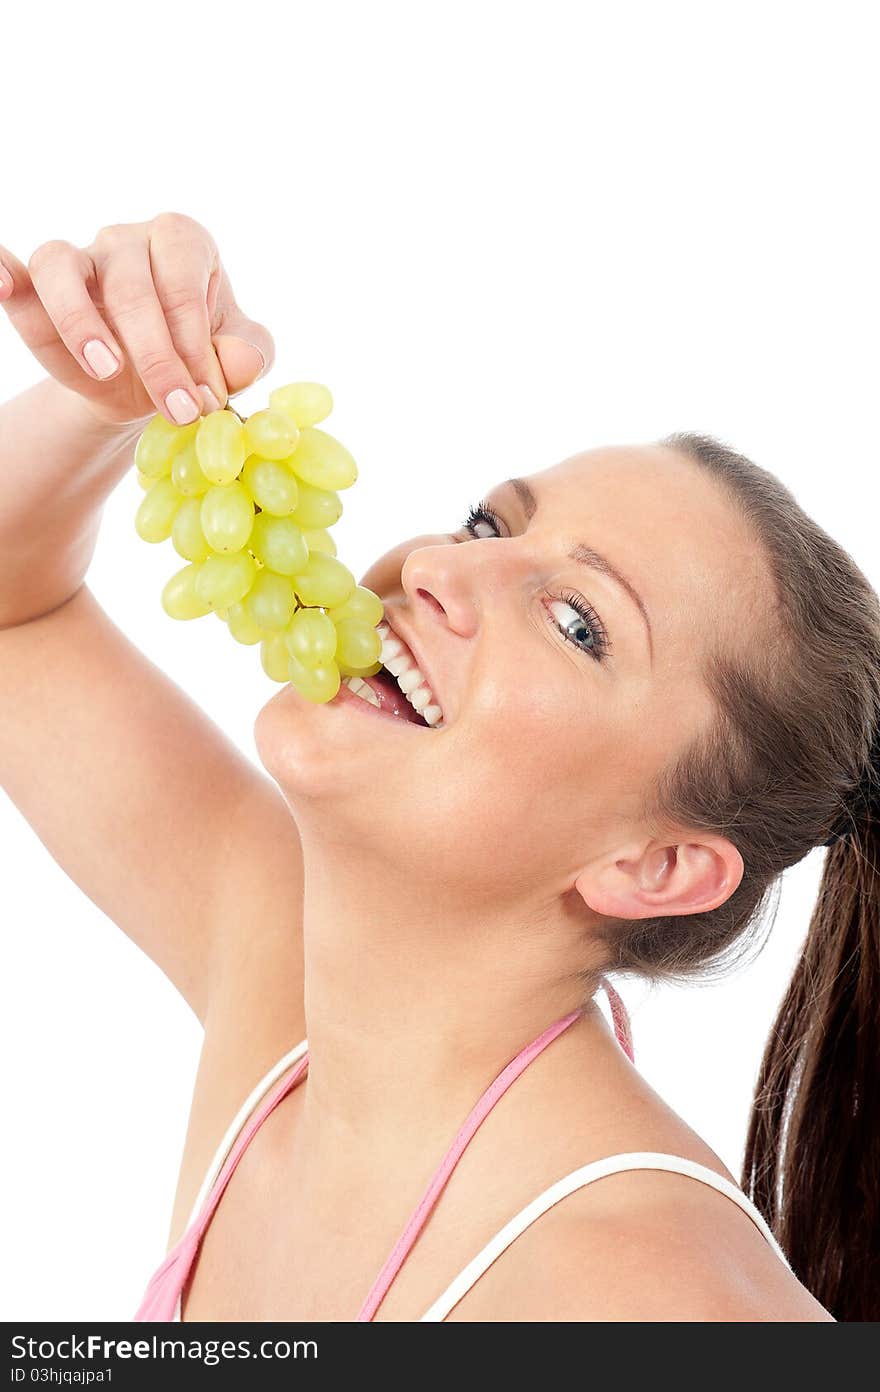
x=399 y=689
x=379 y=695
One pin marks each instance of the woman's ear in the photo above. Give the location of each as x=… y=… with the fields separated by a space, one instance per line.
x=657 y=879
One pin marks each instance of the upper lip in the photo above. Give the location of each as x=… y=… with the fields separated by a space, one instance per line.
x=401 y=633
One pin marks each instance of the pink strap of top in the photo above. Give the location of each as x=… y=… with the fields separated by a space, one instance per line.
x=419 y=1216
x=167 y=1282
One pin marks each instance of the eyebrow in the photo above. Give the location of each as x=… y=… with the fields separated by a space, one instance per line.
x=588 y=556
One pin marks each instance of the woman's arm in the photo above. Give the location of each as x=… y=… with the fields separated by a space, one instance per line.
x=136 y=794
x=58 y=466
x=143 y=801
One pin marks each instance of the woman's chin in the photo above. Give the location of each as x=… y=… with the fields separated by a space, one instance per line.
x=308 y=751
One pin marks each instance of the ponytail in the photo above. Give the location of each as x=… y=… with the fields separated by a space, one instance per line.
x=812 y=1156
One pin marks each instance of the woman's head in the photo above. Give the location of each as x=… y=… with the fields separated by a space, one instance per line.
x=557 y=723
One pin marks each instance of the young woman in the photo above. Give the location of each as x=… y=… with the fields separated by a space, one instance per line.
x=659 y=685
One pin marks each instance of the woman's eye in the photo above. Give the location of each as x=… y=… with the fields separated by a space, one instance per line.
x=481 y=516
x=585 y=629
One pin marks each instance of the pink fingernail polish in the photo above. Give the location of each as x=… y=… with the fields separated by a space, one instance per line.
x=100 y=359
x=181 y=407
x=209 y=400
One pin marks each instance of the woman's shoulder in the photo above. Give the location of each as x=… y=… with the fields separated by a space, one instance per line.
x=638 y=1242
x=646 y=1245
x=650 y=1254
x=667 y=1247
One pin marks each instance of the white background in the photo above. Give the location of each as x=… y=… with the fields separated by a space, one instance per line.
x=501 y=233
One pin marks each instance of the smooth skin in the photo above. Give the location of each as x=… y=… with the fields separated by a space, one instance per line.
x=432 y=896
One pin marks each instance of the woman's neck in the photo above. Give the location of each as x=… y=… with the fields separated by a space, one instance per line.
x=414 y=1004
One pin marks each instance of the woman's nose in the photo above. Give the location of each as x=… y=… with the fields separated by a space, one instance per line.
x=451 y=582
x=431 y=583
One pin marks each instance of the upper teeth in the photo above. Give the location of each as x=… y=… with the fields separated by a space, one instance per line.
x=400 y=662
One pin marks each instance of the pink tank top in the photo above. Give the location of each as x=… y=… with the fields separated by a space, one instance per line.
x=162 y=1299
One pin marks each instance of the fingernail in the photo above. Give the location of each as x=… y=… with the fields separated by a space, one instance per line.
x=209 y=400
x=181 y=407
x=100 y=359
x=5 y=278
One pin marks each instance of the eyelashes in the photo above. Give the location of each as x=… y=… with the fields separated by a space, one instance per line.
x=477 y=513
x=600 y=646
x=590 y=620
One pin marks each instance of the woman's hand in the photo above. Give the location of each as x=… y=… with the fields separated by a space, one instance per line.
x=155 y=297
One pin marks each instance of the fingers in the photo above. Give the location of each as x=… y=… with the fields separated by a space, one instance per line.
x=242 y=363
x=58 y=274
x=132 y=307
x=33 y=322
x=184 y=262
x=245 y=347
x=150 y=301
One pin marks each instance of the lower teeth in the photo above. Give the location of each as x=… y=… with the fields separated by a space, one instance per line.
x=367 y=694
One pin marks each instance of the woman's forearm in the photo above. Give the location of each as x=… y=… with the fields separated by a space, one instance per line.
x=58 y=465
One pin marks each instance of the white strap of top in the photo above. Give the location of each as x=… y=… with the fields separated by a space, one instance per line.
x=238 y=1122
x=230 y=1136
x=613 y=1164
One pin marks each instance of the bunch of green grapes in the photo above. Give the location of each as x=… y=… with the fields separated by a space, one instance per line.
x=247 y=502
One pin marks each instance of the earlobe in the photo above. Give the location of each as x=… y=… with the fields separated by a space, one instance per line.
x=659 y=880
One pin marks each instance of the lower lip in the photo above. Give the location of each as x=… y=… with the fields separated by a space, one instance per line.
x=345 y=696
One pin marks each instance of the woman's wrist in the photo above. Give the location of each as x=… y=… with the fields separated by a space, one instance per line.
x=100 y=433
x=58 y=463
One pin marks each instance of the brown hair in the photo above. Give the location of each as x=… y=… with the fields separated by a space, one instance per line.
x=784 y=764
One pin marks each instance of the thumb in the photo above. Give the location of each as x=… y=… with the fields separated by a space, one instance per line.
x=245 y=353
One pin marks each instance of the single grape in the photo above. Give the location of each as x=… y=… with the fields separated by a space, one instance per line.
x=279 y=543
x=316 y=507
x=318 y=684
x=358 y=671
x=321 y=460
x=271 y=484
x=158 y=508
x=319 y=539
x=220 y=446
x=179 y=597
x=361 y=604
x=305 y=402
x=187 y=537
x=325 y=581
x=242 y=626
x=271 y=601
x=311 y=637
x=227 y=515
x=275 y=657
x=270 y=434
x=357 y=644
x=225 y=580
x=158 y=443
x=186 y=472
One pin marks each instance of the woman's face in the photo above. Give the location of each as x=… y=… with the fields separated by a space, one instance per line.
x=553 y=723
